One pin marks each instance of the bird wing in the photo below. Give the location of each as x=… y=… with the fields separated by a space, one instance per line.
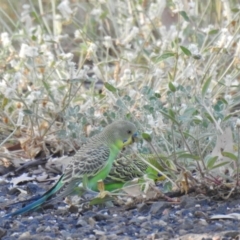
x=125 y=169
x=87 y=163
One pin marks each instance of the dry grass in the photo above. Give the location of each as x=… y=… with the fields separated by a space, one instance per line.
x=171 y=67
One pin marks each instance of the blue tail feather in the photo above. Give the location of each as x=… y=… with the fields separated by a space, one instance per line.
x=36 y=204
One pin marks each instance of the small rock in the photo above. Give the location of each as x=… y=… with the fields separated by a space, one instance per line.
x=232 y=234
x=119 y=230
x=69 y=238
x=97 y=232
x=188 y=202
x=15 y=191
x=170 y=230
x=145 y=225
x=40 y=229
x=162 y=235
x=103 y=238
x=81 y=223
x=158 y=207
x=39 y=237
x=144 y=208
x=182 y=232
x=2 y=232
x=187 y=225
x=162 y=223
x=200 y=214
x=112 y=237
x=101 y=217
x=73 y=209
x=25 y=236
x=219 y=226
x=134 y=221
x=143 y=232
x=33 y=188
x=91 y=222
x=48 y=229
x=49 y=206
x=202 y=222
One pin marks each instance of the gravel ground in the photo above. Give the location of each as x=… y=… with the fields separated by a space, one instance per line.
x=190 y=219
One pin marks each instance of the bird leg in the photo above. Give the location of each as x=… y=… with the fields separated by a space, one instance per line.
x=101 y=189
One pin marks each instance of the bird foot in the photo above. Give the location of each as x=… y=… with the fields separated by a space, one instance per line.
x=104 y=194
x=101 y=188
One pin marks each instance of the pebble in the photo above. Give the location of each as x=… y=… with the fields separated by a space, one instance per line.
x=81 y=223
x=151 y=220
x=2 y=232
x=162 y=223
x=144 y=208
x=97 y=232
x=91 y=222
x=158 y=207
x=25 y=236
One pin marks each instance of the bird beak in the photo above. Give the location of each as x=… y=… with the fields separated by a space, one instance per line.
x=130 y=140
x=135 y=137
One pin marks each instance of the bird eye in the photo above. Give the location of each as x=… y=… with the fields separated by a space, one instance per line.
x=129 y=132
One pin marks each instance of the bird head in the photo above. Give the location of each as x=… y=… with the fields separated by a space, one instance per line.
x=122 y=131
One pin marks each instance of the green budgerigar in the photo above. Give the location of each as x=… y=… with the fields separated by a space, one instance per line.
x=90 y=164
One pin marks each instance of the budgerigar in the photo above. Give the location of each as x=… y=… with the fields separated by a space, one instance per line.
x=128 y=167
x=90 y=164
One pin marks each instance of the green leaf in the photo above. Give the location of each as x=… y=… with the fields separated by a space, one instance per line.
x=27 y=112
x=188 y=155
x=128 y=115
x=206 y=86
x=197 y=119
x=172 y=87
x=197 y=56
x=147 y=137
x=4 y=102
x=99 y=201
x=154 y=160
x=110 y=87
x=227 y=117
x=103 y=15
x=171 y=113
x=209 y=117
x=186 y=134
x=190 y=111
x=34 y=38
x=214 y=31
x=230 y=155
x=34 y=15
x=211 y=161
x=167 y=187
x=165 y=56
x=85 y=181
x=170 y=77
x=48 y=89
x=224 y=101
x=169 y=116
x=148 y=108
x=219 y=165
x=186 y=51
x=184 y=15
x=76 y=109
